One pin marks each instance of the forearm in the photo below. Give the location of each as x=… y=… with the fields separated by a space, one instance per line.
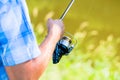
x=46 y=48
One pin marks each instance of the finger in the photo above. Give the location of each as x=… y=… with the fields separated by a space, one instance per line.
x=50 y=20
x=59 y=22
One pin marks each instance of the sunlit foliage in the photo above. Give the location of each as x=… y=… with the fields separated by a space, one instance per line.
x=95 y=26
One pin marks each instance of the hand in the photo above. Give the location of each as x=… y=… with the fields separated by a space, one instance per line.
x=55 y=27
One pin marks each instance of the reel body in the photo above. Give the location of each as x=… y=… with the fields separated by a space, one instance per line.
x=63 y=47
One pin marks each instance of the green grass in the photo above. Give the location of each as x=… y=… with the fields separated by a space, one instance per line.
x=90 y=61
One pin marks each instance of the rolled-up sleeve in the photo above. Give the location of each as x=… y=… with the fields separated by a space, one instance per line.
x=17 y=40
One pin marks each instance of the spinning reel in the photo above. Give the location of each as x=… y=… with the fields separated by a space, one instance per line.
x=63 y=47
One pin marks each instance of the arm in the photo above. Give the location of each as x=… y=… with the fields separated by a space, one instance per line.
x=33 y=69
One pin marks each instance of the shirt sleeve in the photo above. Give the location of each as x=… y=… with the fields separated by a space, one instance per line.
x=17 y=40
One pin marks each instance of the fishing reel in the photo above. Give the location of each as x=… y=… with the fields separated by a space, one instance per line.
x=63 y=47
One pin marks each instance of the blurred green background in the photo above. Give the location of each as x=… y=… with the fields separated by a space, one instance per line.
x=96 y=26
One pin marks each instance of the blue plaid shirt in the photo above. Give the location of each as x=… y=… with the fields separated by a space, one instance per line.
x=17 y=40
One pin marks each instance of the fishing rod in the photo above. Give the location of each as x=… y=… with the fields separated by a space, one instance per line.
x=65 y=45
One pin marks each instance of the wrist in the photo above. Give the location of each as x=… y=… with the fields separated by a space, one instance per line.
x=54 y=36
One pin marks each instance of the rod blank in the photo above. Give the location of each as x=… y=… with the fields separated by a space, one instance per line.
x=67 y=9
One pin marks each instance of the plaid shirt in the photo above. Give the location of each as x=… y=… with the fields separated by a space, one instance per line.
x=17 y=40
